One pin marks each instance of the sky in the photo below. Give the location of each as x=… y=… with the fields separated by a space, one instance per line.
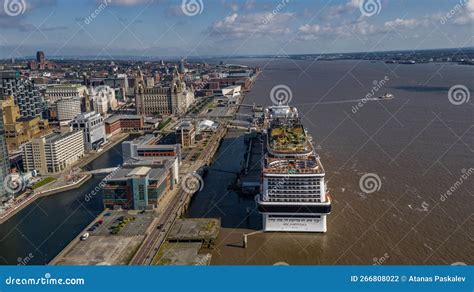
x=189 y=28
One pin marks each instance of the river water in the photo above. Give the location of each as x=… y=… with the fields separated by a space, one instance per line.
x=418 y=144
x=36 y=234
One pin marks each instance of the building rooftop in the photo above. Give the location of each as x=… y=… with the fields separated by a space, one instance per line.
x=140 y=171
x=54 y=137
x=9 y=74
x=185 y=125
x=208 y=125
x=149 y=161
x=26 y=119
x=145 y=140
x=65 y=85
x=115 y=118
x=84 y=116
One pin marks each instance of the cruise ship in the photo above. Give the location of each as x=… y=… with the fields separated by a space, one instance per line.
x=294 y=196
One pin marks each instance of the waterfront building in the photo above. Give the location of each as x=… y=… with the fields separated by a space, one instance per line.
x=185 y=134
x=294 y=195
x=232 y=91
x=207 y=126
x=149 y=171
x=127 y=123
x=53 y=153
x=68 y=108
x=57 y=92
x=244 y=82
x=4 y=162
x=139 y=184
x=164 y=99
x=93 y=127
x=148 y=146
x=19 y=130
x=24 y=92
x=232 y=94
x=240 y=72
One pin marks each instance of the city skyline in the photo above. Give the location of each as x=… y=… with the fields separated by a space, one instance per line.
x=162 y=28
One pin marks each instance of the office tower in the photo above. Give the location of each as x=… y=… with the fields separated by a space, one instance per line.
x=53 y=153
x=68 y=108
x=93 y=127
x=4 y=162
x=25 y=93
x=40 y=58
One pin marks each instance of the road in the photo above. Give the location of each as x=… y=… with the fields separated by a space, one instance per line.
x=155 y=239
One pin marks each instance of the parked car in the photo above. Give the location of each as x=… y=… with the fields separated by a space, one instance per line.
x=85 y=236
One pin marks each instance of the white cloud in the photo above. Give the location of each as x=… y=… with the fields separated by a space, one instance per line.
x=260 y=24
x=313 y=31
x=127 y=2
x=336 y=11
x=401 y=24
x=463 y=14
x=360 y=28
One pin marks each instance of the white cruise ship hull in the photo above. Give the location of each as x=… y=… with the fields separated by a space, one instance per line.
x=301 y=223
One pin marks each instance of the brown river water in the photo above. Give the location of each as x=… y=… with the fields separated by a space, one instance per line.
x=418 y=144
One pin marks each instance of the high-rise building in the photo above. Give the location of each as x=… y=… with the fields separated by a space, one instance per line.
x=19 y=130
x=182 y=69
x=93 y=127
x=25 y=93
x=54 y=152
x=4 y=161
x=68 y=108
x=40 y=58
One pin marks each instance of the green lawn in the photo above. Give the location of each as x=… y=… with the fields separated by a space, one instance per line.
x=164 y=124
x=43 y=182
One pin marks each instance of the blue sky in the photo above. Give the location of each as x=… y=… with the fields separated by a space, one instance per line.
x=164 y=28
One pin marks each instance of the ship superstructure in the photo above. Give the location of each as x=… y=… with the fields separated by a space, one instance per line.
x=293 y=193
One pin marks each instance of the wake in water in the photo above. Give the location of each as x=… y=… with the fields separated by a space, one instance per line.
x=345 y=101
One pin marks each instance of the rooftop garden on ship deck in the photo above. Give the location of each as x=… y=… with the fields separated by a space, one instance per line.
x=288 y=139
